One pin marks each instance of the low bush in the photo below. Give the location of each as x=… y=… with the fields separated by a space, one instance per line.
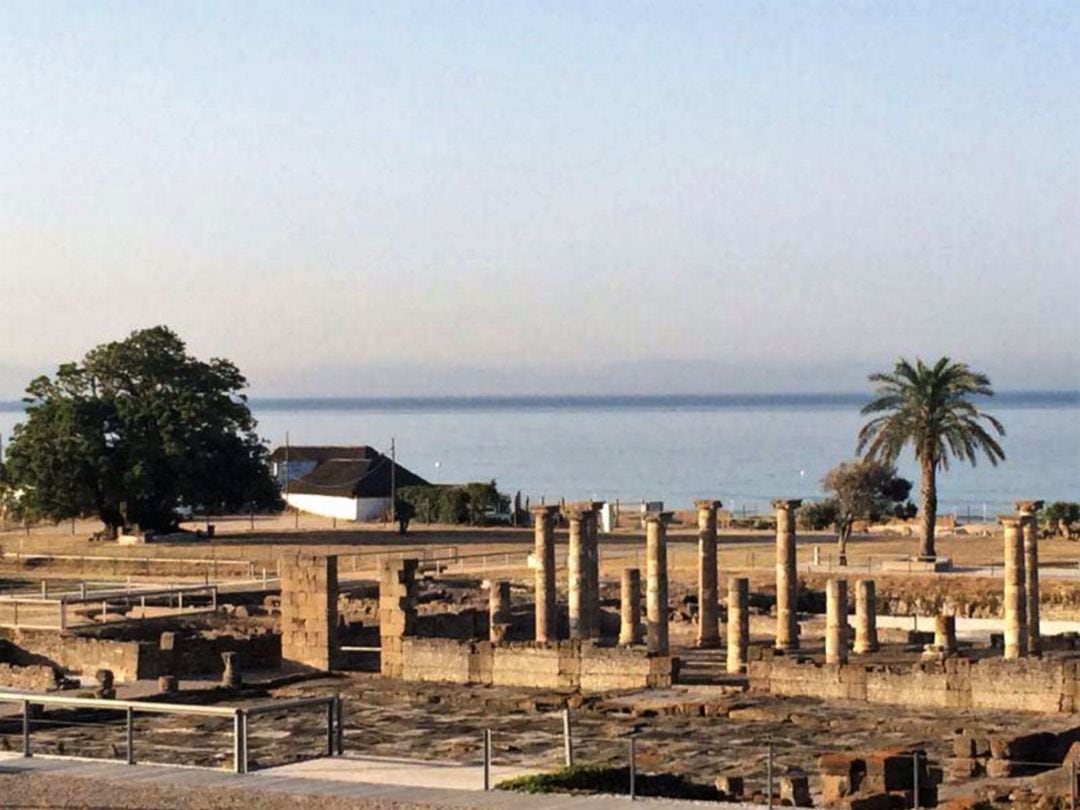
x=600 y=779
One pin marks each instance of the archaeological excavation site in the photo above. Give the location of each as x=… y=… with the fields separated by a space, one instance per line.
x=666 y=656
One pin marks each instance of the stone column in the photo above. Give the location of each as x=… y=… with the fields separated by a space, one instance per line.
x=1028 y=513
x=544 y=558
x=593 y=570
x=630 y=607
x=866 y=640
x=577 y=565
x=656 y=582
x=787 y=580
x=738 y=625
x=1015 y=600
x=499 y=615
x=836 y=651
x=945 y=634
x=708 y=632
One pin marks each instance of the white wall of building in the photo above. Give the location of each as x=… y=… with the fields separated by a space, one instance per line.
x=362 y=509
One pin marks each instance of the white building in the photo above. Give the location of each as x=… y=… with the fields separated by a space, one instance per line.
x=348 y=483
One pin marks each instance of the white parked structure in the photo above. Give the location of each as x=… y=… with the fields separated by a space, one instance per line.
x=348 y=483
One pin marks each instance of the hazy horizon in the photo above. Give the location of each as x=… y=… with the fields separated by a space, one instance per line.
x=352 y=199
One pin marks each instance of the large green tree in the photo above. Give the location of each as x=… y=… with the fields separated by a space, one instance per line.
x=136 y=429
x=930 y=408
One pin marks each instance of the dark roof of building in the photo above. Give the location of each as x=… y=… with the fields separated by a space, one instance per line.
x=323 y=453
x=347 y=478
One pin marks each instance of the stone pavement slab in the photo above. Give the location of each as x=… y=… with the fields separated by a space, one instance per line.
x=276 y=780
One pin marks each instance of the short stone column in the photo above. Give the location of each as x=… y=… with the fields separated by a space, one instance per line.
x=1015 y=599
x=787 y=580
x=738 y=625
x=499 y=615
x=836 y=649
x=630 y=607
x=1028 y=512
x=866 y=640
x=945 y=634
x=577 y=573
x=656 y=582
x=231 y=677
x=544 y=562
x=708 y=632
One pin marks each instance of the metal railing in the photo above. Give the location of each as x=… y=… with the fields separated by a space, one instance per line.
x=71 y=610
x=335 y=737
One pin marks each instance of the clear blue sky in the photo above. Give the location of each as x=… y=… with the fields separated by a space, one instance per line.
x=462 y=197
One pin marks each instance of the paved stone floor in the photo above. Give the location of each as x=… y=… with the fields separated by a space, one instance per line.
x=335 y=779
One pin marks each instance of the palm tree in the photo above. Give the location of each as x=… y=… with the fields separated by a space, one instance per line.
x=929 y=408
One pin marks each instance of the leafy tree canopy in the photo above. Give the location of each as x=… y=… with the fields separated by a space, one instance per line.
x=136 y=429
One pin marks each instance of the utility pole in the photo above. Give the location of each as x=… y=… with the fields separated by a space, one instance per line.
x=393 y=480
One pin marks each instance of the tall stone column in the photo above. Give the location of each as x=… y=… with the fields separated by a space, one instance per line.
x=836 y=651
x=594 y=569
x=866 y=640
x=576 y=571
x=499 y=615
x=787 y=580
x=1015 y=599
x=544 y=556
x=656 y=582
x=738 y=625
x=630 y=607
x=1028 y=511
x=708 y=632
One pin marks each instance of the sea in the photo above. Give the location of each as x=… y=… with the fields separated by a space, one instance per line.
x=742 y=449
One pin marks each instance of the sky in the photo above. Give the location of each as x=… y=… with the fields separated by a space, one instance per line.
x=544 y=197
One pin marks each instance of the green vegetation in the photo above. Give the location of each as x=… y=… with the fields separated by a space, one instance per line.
x=929 y=408
x=864 y=490
x=135 y=430
x=473 y=504
x=1060 y=515
x=600 y=779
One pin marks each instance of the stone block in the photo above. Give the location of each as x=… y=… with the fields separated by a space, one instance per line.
x=730 y=787
x=795 y=790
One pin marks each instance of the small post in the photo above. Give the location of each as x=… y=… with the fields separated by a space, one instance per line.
x=130 y=736
x=915 y=779
x=44 y=589
x=26 y=729
x=330 y=736
x=82 y=590
x=339 y=710
x=264 y=577
x=238 y=742
x=568 y=743
x=768 y=776
x=633 y=766
x=487 y=759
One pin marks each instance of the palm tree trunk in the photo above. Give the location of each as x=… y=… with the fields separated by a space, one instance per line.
x=928 y=504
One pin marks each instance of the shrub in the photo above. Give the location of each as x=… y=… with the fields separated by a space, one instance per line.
x=599 y=779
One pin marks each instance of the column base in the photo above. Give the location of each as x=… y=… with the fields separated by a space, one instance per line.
x=708 y=644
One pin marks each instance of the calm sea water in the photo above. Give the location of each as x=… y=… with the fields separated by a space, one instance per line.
x=744 y=450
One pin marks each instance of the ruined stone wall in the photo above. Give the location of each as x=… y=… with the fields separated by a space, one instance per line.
x=35 y=678
x=309 y=599
x=565 y=665
x=79 y=655
x=1027 y=685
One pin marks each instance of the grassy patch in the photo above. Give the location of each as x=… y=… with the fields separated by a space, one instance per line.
x=597 y=779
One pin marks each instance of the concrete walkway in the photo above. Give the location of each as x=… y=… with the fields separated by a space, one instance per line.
x=338 y=777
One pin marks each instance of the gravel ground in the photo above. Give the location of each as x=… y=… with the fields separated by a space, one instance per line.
x=41 y=791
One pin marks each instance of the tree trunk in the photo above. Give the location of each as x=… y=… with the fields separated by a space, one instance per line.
x=928 y=504
x=843 y=534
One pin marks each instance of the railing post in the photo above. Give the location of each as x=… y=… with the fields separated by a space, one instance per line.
x=239 y=742
x=915 y=779
x=339 y=711
x=63 y=614
x=487 y=759
x=330 y=727
x=130 y=736
x=768 y=776
x=568 y=743
x=633 y=766
x=26 y=729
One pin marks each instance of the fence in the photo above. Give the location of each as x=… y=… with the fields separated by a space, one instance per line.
x=127 y=709
x=70 y=610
